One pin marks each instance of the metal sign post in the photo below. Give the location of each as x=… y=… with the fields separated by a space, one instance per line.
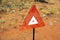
x=33 y=33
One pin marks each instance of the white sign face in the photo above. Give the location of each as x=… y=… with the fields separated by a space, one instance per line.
x=33 y=21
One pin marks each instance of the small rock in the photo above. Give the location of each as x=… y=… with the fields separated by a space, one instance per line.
x=54 y=21
x=51 y=23
x=44 y=15
x=13 y=11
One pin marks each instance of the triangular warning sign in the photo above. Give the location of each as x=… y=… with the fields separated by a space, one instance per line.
x=33 y=19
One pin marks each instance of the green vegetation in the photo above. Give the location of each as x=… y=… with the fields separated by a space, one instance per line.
x=0 y=1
